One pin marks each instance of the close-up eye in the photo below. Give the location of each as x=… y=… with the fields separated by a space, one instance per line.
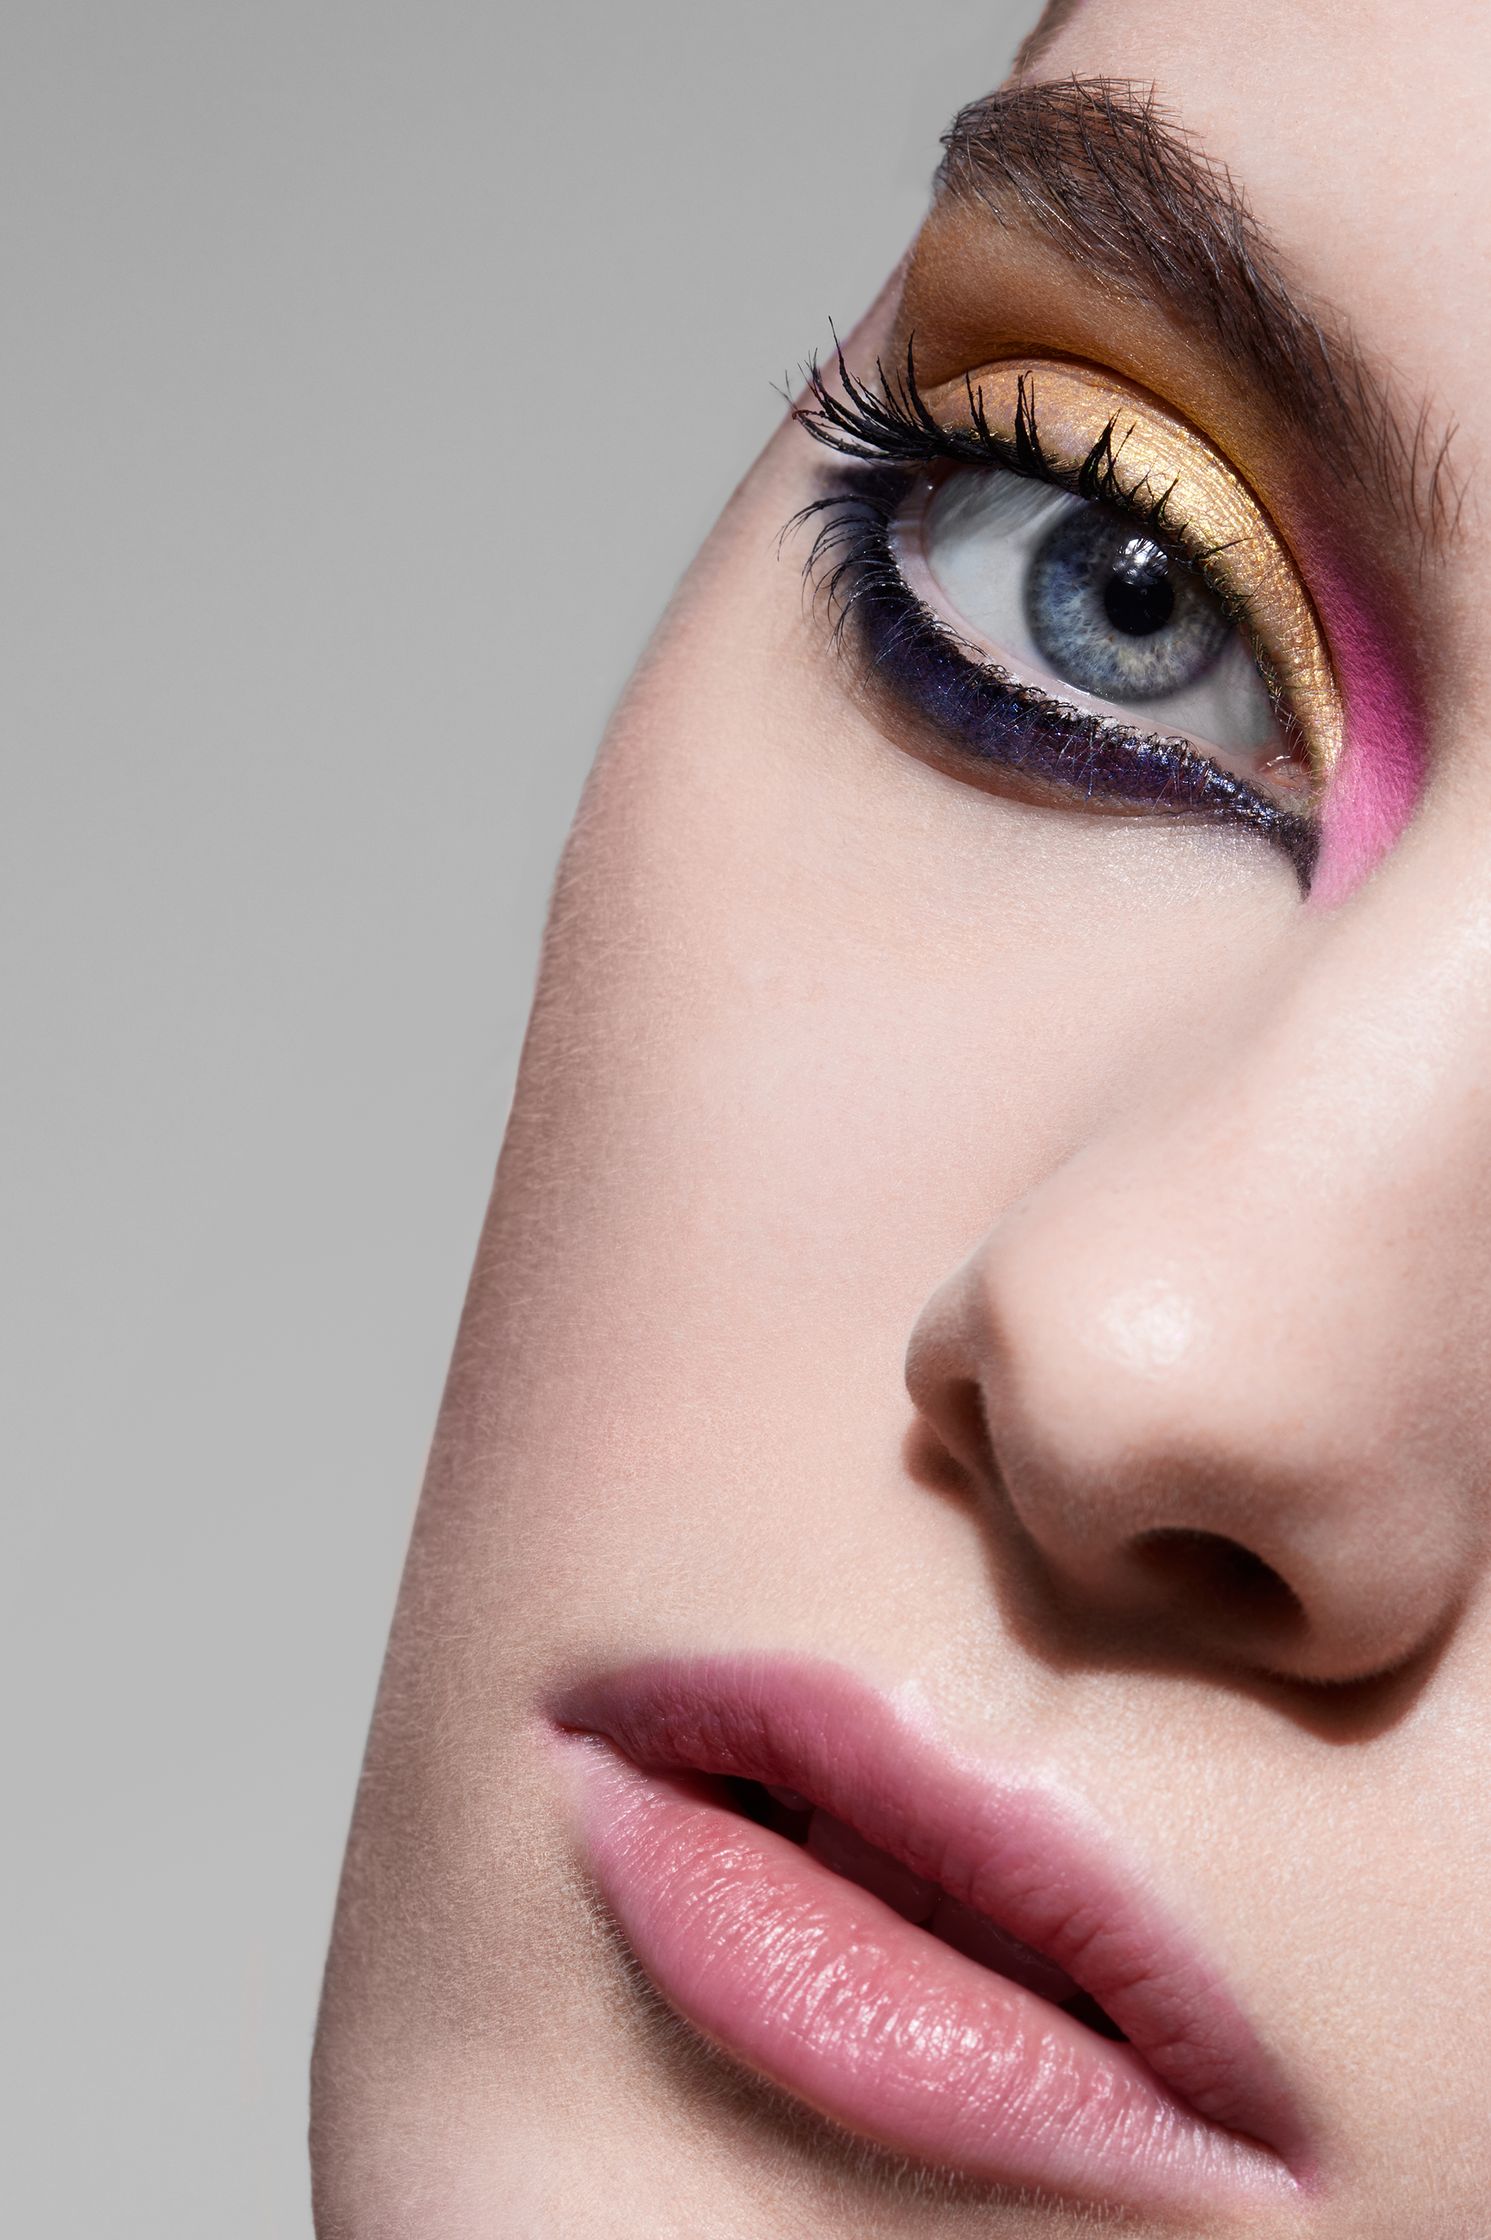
x=1074 y=592
x=1081 y=598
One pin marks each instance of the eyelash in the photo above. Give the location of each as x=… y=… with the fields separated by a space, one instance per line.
x=891 y=436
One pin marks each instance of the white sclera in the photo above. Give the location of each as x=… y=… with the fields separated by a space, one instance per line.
x=978 y=534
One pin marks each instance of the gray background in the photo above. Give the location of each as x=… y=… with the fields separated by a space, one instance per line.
x=369 y=374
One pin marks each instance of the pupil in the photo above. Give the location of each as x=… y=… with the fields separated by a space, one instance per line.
x=1139 y=597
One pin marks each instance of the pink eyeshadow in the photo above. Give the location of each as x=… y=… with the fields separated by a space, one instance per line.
x=1380 y=776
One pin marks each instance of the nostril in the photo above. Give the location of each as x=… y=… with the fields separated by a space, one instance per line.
x=954 y=1410
x=1226 y=1577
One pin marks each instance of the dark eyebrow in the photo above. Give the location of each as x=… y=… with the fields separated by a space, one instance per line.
x=1096 y=166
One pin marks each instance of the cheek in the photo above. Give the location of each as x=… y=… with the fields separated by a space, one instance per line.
x=813 y=1014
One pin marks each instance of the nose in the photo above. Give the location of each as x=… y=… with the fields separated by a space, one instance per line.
x=1226 y=1368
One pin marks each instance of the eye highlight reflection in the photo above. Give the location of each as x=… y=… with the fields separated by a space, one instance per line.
x=1061 y=579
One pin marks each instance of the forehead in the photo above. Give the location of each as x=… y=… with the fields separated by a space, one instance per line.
x=1359 y=137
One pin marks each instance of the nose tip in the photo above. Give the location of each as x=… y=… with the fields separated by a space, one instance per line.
x=1184 y=1448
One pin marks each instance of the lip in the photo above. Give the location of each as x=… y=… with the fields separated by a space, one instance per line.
x=821 y=1987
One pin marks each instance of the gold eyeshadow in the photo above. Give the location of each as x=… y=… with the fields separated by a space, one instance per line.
x=1208 y=512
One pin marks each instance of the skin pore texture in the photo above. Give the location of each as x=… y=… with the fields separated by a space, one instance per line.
x=1015 y=1274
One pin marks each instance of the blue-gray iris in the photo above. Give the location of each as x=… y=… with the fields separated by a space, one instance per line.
x=1116 y=614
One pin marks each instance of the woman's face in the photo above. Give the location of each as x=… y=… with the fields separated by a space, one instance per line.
x=958 y=1533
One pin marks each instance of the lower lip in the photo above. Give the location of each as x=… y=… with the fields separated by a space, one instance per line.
x=820 y=1987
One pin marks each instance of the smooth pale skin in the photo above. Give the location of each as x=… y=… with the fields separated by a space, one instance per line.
x=837 y=1059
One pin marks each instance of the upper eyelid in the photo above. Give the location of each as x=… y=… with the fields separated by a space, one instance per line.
x=1097 y=170
x=905 y=426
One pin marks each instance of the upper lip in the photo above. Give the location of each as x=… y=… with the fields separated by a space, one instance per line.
x=1014 y=1848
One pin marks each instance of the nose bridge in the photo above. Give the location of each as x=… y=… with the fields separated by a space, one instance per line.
x=1347 y=1134
x=1352 y=1123
x=1253 y=1317
x=1374 y=1065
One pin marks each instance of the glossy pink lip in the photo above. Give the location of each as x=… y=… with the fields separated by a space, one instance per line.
x=822 y=1987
